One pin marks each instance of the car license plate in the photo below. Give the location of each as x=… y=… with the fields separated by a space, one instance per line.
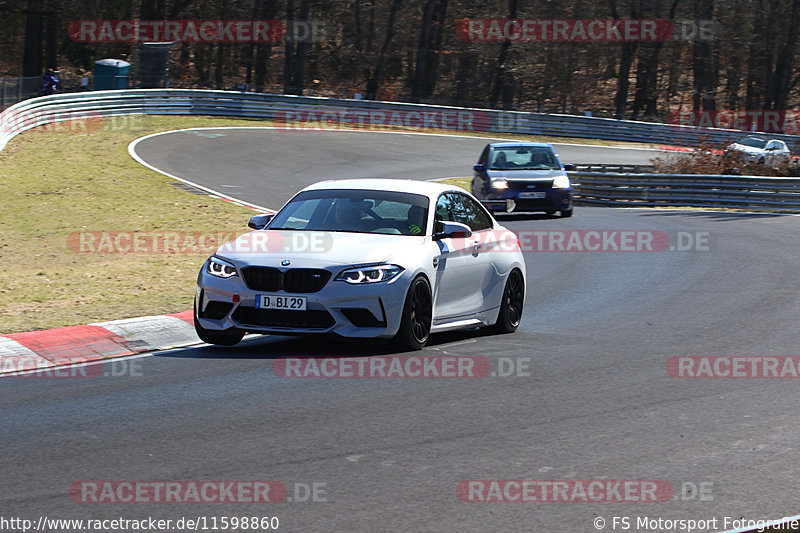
x=535 y=194
x=273 y=301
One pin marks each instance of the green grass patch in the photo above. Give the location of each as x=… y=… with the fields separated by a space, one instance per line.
x=61 y=181
x=464 y=183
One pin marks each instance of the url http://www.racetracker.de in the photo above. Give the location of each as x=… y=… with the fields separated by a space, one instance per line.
x=45 y=524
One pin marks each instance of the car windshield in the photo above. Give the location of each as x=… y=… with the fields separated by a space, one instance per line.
x=524 y=158
x=753 y=142
x=357 y=211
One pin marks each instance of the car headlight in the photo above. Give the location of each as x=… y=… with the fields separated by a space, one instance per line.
x=220 y=268
x=499 y=183
x=561 y=182
x=369 y=274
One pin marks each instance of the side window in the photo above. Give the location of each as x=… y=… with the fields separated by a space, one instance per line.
x=473 y=214
x=484 y=160
x=444 y=211
x=782 y=146
x=772 y=145
x=456 y=207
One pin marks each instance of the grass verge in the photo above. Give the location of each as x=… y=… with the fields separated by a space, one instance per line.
x=60 y=183
x=464 y=183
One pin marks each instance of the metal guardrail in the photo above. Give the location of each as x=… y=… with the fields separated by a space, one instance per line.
x=605 y=168
x=686 y=190
x=46 y=109
x=615 y=188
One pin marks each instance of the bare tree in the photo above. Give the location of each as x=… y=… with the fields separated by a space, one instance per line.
x=704 y=62
x=501 y=73
x=34 y=21
x=428 y=48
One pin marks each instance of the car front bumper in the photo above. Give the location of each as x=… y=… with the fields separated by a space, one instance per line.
x=510 y=201
x=364 y=310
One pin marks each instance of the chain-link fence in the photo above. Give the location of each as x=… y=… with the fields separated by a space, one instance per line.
x=13 y=90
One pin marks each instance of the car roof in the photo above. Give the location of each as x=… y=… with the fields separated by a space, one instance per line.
x=431 y=189
x=521 y=143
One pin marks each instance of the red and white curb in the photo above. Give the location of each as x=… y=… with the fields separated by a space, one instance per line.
x=36 y=350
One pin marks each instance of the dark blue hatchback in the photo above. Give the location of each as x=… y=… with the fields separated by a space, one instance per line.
x=522 y=176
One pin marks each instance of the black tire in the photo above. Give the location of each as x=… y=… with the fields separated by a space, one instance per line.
x=761 y=161
x=224 y=337
x=510 y=314
x=477 y=192
x=566 y=213
x=415 y=326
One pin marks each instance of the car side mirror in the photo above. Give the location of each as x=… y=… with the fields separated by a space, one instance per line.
x=569 y=167
x=770 y=149
x=480 y=167
x=454 y=230
x=260 y=221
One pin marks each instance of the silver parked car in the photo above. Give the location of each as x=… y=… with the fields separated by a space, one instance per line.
x=770 y=152
x=368 y=258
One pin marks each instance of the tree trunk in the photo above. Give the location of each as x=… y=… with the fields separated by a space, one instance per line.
x=784 y=60
x=434 y=52
x=153 y=10
x=500 y=72
x=758 y=61
x=423 y=50
x=627 y=54
x=220 y=67
x=646 y=97
x=32 y=54
x=267 y=10
x=52 y=33
x=301 y=52
x=375 y=78
x=704 y=65
x=288 y=52
x=623 y=81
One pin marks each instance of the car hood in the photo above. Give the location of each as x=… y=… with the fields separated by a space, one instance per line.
x=526 y=174
x=314 y=248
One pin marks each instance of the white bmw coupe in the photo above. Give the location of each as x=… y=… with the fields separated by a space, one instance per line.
x=366 y=258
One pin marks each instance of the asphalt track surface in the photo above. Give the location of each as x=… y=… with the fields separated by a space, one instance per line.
x=598 y=402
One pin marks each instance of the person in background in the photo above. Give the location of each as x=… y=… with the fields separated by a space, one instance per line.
x=50 y=81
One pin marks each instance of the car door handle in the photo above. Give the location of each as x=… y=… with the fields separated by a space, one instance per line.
x=476 y=245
